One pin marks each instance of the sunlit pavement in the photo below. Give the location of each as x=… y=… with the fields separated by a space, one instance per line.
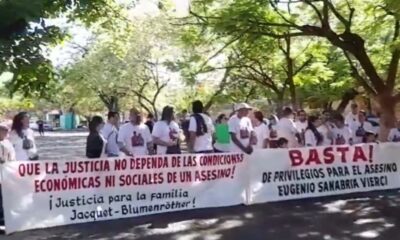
x=361 y=216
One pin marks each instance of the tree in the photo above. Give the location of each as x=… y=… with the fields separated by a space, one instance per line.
x=353 y=26
x=129 y=63
x=25 y=32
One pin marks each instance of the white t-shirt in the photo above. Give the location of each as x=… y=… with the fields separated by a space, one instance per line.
x=22 y=154
x=135 y=138
x=165 y=132
x=324 y=132
x=110 y=134
x=204 y=142
x=287 y=129
x=394 y=135
x=7 y=152
x=342 y=136
x=351 y=118
x=309 y=139
x=262 y=133
x=355 y=126
x=301 y=126
x=242 y=128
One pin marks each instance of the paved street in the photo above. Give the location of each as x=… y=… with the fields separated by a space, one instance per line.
x=362 y=216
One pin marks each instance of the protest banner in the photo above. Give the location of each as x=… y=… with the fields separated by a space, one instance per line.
x=50 y=193
x=42 y=194
x=283 y=174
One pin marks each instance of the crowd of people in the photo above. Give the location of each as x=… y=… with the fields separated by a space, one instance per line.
x=244 y=130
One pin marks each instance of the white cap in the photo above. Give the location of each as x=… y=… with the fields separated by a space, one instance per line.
x=242 y=106
x=4 y=126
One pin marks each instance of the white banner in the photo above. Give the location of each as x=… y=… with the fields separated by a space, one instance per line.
x=50 y=193
x=283 y=174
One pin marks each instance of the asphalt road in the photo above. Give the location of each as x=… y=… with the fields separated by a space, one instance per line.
x=361 y=216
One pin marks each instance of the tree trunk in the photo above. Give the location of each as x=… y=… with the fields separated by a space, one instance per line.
x=387 y=121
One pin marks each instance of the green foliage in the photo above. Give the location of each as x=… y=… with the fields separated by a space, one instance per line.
x=125 y=65
x=24 y=32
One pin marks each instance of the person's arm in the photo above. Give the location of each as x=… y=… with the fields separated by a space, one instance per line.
x=236 y=141
x=192 y=134
x=98 y=147
x=390 y=136
x=121 y=142
x=149 y=141
x=308 y=138
x=32 y=138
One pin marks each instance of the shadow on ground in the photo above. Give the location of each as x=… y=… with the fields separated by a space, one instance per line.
x=361 y=216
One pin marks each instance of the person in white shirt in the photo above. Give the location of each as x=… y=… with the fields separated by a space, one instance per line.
x=359 y=127
x=261 y=130
x=201 y=130
x=134 y=137
x=312 y=137
x=394 y=134
x=23 y=139
x=166 y=133
x=352 y=116
x=110 y=134
x=241 y=129
x=341 y=134
x=273 y=133
x=326 y=128
x=301 y=121
x=7 y=152
x=287 y=129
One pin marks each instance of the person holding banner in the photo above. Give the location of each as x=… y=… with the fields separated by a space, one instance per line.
x=287 y=128
x=23 y=139
x=261 y=130
x=110 y=133
x=166 y=133
x=312 y=137
x=241 y=129
x=326 y=128
x=95 y=142
x=7 y=152
x=359 y=127
x=201 y=130
x=341 y=134
x=134 y=137
x=222 y=136
x=394 y=134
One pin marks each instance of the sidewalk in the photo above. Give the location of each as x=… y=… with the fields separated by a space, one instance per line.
x=351 y=217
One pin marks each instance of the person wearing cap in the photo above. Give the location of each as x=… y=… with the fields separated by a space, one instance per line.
x=241 y=129
x=286 y=128
x=370 y=136
x=394 y=134
x=352 y=116
x=7 y=152
x=201 y=130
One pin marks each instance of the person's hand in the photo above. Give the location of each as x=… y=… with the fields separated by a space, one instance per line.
x=172 y=143
x=129 y=154
x=249 y=150
x=253 y=140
